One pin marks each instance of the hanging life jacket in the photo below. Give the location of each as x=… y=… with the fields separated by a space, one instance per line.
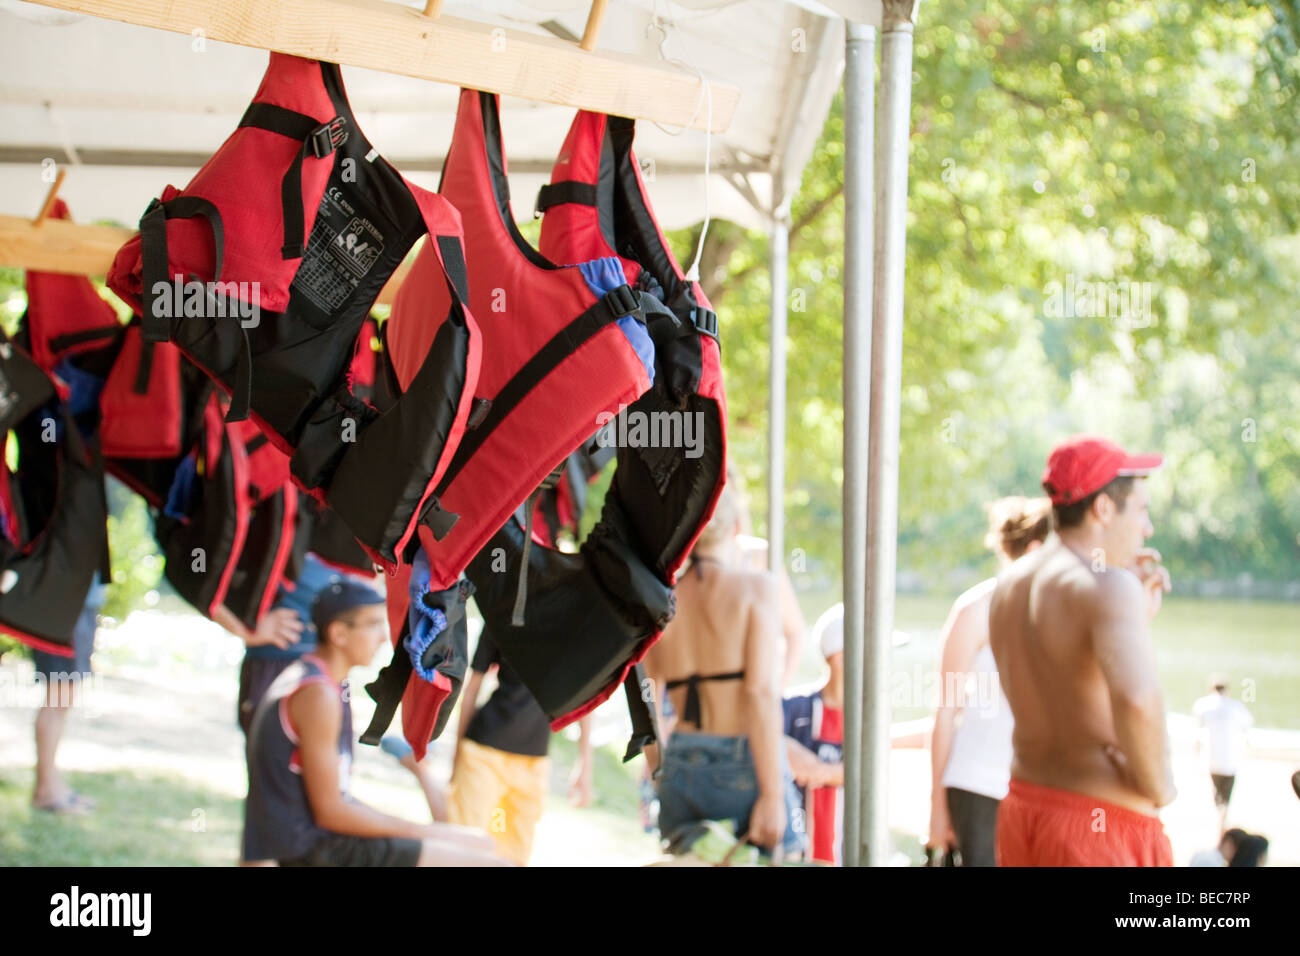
x=228 y=524
x=596 y=204
x=53 y=511
x=262 y=272
x=202 y=526
x=561 y=346
x=599 y=611
x=65 y=314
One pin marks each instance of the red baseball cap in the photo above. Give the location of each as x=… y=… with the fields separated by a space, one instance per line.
x=1086 y=463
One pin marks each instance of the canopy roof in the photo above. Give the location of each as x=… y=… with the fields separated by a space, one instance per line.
x=129 y=108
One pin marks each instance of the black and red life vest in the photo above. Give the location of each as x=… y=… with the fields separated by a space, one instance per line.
x=596 y=204
x=561 y=346
x=600 y=610
x=53 y=512
x=262 y=272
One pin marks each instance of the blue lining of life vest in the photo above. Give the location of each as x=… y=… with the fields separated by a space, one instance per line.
x=425 y=622
x=180 y=496
x=604 y=275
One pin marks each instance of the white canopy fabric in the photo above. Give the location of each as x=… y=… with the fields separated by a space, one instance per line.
x=128 y=109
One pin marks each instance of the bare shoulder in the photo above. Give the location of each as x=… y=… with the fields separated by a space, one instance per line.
x=1115 y=589
x=315 y=705
x=752 y=582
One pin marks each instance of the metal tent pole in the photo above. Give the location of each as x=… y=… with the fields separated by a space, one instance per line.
x=883 y=417
x=859 y=118
x=779 y=267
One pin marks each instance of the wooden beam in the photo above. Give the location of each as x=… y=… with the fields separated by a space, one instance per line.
x=57 y=245
x=392 y=38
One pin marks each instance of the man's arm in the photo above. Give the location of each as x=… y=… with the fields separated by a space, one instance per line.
x=1127 y=660
x=763 y=711
x=317 y=714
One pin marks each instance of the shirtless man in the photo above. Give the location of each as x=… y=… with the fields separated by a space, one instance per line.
x=1068 y=629
x=717 y=662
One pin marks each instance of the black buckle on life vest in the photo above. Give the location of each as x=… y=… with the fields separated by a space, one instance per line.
x=327 y=137
x=438 y=519
x=622 y=301
x=705 y=320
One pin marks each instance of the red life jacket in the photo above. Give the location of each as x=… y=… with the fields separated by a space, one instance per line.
x=297 y=202
x=596 y=204
x=65 y=315
x=617 y=587
x=561 y=345
x=229 y=522
x=202 y=526
x=53 y=513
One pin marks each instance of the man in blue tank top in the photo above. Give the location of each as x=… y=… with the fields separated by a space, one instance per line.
x=300 y=754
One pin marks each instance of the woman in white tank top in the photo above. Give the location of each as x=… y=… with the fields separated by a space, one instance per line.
x=970 y=746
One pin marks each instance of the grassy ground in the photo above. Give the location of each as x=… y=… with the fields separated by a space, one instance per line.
x=156 y=820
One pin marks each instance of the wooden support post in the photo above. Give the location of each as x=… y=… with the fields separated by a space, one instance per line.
x=50 y=197
x=433 y=9
x=594 y=19
x=392 y=38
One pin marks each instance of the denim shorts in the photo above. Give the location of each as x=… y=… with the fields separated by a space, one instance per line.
x=707 y=777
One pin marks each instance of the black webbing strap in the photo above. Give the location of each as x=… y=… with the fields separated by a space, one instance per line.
x=61 y=343
x=241 y=393
x=521 y=589
x=155 y=264
x=318 y=139
x=386 y=690
x=645 y=718
x=610 y=308
x=452 y=254
x=144 y=370
x=569 y=190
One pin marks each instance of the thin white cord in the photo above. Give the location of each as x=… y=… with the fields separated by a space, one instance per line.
x=706 y=99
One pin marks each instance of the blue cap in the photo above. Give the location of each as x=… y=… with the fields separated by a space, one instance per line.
x=339 y=597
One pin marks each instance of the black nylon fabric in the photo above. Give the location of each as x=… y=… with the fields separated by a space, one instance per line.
x=587 y=613
x=252 y=575
x=198 y=551
x=58 y=499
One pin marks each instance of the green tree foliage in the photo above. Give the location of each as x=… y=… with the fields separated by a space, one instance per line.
x=1144 y=155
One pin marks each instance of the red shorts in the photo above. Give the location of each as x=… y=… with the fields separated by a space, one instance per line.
x=1043 y=826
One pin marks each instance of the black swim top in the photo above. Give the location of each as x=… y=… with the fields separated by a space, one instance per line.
x=692 y=711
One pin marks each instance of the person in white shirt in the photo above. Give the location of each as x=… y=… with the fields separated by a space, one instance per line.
x=1225 y=721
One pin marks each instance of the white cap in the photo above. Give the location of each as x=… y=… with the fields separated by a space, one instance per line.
x=829 y=630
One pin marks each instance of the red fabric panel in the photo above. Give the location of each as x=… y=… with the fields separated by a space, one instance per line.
x=148 y=425
x=60 y=304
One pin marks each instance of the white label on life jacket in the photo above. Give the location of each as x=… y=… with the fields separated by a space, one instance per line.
x=372 y=155
x=8 y=580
